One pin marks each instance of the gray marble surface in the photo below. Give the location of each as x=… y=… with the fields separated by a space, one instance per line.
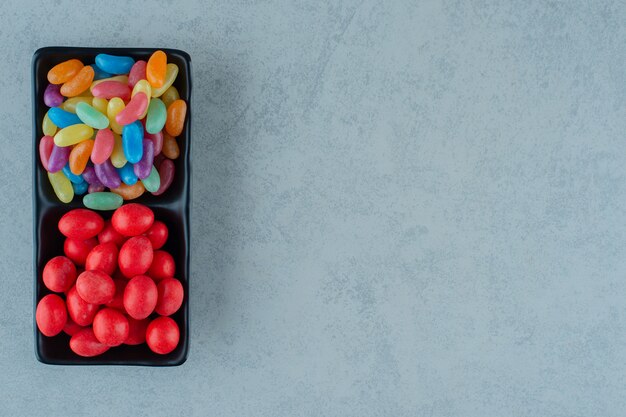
x=402 y=208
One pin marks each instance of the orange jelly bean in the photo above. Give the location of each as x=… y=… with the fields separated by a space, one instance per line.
x=170 y=147
x=129 y=192
x=79 y=83
x=156 y=69
x=79 y=156
x=176 y=113
x=65 y=71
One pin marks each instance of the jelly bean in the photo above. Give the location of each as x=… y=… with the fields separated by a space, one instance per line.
x=62 y=118
x=157 y=115
x=144 y=166
x=51 y=315
x=170 y=75
x=91 y=117
x=99 y=74
x=71 y=328
x=157 y=140
x=141 y=294
x=107 y=174
x=171 y=295
x=132 y=140
x=133 y=110
x=153 y=181
x=170 y=147
x=103 y=146
x=80 y=189
x=110 y=327
x=89 y=175
x=95 y=188
x=48 y=128
x=85 y=344
x=137 y=72
x=81 y=224
x=118 y=159
x=86 y=94
x=109 y=234
x=59 y=274
x=118 y=78
x=79 y=83
x=79 y=156
x=70 y=104
x=130 y=192
x=79 y=310
x=65 y=71
x=95 y=287
x=162 y=335
x=114 y=64
x=176 y=117
x=166 y=174
x=137 y=331
x=52 y=95
x=110 y=89
x=142 y=86
x=102 y=201
x=127 y=174
x=162 y=266
x=62 y=186
x=59 y=156
x=115 y=106
x=157 y=233
x=169 y=96
x=158 y=159
x=72 y=135
x=46 y=145
x=133 y=220
x=78 y=249
x=100 y=104
x=76 y=179
x=156 y=68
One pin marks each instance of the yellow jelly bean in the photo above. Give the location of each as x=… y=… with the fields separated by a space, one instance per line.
x=62 y=186
x=170 y=76
x=72 y=135
x=118 y=159
x=49 y=128
x=115 y=106
x=70 y=104
x=100 y=104
x=142 y=86
x=120 y=78
x=170 y=96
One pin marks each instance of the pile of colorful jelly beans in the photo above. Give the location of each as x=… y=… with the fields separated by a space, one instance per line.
x=111 y=125
x=114 y=286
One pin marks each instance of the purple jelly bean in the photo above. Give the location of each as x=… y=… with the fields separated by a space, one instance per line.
x=95 y=188
x=144 y=166
x=166 y=172
x=89 y=174
x=59 y=156
x=107 y=174
x=52 y=95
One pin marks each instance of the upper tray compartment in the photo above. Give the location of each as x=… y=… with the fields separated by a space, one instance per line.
x=45 y=58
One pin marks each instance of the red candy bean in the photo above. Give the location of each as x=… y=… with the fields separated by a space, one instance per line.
x=140 y=297
x=110 y=327
x=102 y=146
x=95 y=287
x=157 y=234
x=133 y=110
x=170 y=296
x=71 y=328
x=59 y=274
x=109 y=234
x=80 y=310
x=81 y=224
x=110 y=89
x=135 y=256
x=51 y=315
x=103 y=257
x=137 y=331
x=118 y=298
x=84 y=343
x=162 y=335
x=132 y=219
x=78 y=249
x=163 y=266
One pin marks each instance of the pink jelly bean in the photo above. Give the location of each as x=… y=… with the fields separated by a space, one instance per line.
x=95 y=188
x=52 y=95
x=166 y=172
x=157 y=140
x=107 y=174
x=102 y=146
x=45 y=149
x=143 y=168
x=135 y=108
x=110 y=89
x=137 y=72
x=59 y=156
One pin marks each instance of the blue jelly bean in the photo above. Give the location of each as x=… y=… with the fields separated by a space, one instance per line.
x=76 y=179
x=132 y=142
x=114 y=64
x=127 y=174
x=62 y=118
x=98 y=73
x=80 y=189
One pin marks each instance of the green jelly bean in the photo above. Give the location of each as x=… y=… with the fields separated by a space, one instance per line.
x=103 y=201
x=90 y=116
x=62 y=186
x=157 y=114
x=152 y=182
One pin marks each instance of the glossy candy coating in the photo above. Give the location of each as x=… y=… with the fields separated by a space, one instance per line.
x=72 y=135
x=62 y=118
x=98 y=73
x=137 y=72
x=51 y=315
x=100 y=104
x=59 y=156
x=80 y=310
x=110 y=327
x=84 y=343
x=162 y=335
x=135 y=257
x=76 y=179
x=102 y=201
x=162 y=266
x=156 y=117
x=153 y=181
x=80 y=188
x=170 y=75
x=144 y=166
x=79 y=156
x=132 y=141
x=91 y=116
x=52 y=96
x=64 y=71
x=130 y=192
x=170 y=146
x=71 y=328
x=109 y=89
x=143 y=86
x=133 y=110
x=107 y=174
x=77 y=250
x=118 y=78
x=170 y=95
x=166 y=175
x=95 y=287
x=127 y=174
x=118 y=299
x=137 y=331
x=62 y=186
x=102 y=257
x=115 y=106
x=171 y=295
x=114 y=64
x=89 y=175
x=59 y=274
x=109 y=234
x=79 y=83
x=118 y=159
x=157 y=140
x=47 y=126
x=70 y=104
x=157 y=234
x=140 y=297
x=103 y=146
x=176 y=113
x=133 y=220
x=81 y=224
x=156 y=69
x=46 y=145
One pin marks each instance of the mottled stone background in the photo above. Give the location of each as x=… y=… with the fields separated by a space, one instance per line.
x=400 y=208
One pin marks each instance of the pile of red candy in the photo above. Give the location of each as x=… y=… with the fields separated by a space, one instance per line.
x=126 y=291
